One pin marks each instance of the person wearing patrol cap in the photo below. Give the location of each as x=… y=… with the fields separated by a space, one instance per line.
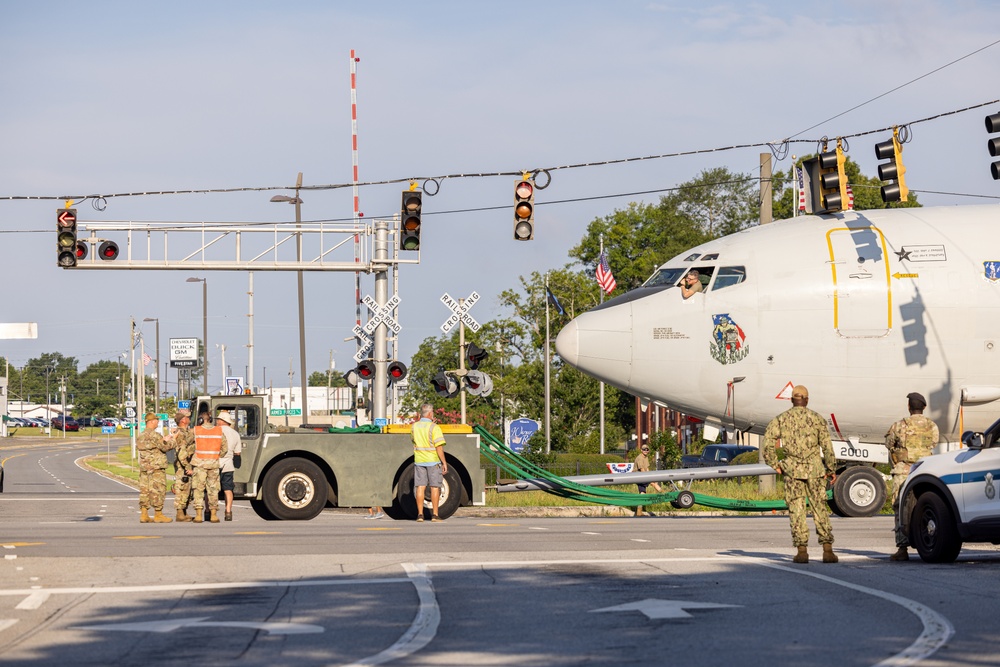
x=227 y=468
x=182 y=439
x=152 y=450
x=808 y=463
x=908 y=440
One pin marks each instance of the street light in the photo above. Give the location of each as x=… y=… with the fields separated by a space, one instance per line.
x=297 y=201
x=156 y=396
x=204 y=318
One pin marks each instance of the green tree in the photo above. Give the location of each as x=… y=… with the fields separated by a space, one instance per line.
x=319 y=379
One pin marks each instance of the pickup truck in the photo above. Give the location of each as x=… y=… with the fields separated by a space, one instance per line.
x=293 y=473
x=715 y=455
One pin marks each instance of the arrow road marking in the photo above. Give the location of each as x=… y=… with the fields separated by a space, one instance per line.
x=200 y=622
x=658 y=609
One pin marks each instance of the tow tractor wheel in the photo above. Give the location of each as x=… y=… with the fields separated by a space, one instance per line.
x=451 y=494
x=684 y=500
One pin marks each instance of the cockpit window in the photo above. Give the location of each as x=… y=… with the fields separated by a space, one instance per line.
x=691 y=258
x=710 y=256
x=664 y=277
x=728 y=276
x=704 y=274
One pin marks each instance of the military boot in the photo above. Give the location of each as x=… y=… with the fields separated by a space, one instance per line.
x=214 y=516
x=802 y=556
x=182 y=516
x=199 y=516
x=901 y=554
x=144 y=515
x=828 y=555
x=159 y=518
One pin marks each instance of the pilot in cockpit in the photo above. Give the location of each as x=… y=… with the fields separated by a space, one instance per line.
x=691 y=283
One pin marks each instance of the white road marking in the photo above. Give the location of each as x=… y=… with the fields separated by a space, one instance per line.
x=638 y=539
x=159 y=588
x=424 y=626
x=659 y=609
x=33 y=601
x=6 y=623
x=201 y=622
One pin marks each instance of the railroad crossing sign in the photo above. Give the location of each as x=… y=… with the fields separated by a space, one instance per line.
x=379 y=315
x=460 y=312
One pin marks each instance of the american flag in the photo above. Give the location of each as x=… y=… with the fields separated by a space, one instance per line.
x=146 y=359
x=802 y=189
x=604 y=276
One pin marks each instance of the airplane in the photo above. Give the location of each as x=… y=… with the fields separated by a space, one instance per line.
x=861 y=307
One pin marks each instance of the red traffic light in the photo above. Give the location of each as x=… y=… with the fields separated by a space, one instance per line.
x=81 y=250
x=396 y=371
x=366 y=369
x=108 y=250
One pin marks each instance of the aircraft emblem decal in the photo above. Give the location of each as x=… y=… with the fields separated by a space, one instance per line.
x=991 y=270
x=991 y=490
x=728 y=340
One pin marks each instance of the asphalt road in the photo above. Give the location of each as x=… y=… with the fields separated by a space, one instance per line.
x=84 y=583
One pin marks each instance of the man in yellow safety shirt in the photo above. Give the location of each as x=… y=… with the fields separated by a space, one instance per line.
x=430 y=466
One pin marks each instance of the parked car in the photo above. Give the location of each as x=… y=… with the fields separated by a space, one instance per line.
x=13 y=422
x=86 y=422
x=65 y=423
x=715 y=455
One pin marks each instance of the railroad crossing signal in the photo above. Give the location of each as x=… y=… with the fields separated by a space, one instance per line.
x=396 y=371
x=445 y=385
x=381 y=314
x=67 y=247
x=475 y=355
x=460 y=312
x=992 y=126
x=893 y=170
x=524 y=209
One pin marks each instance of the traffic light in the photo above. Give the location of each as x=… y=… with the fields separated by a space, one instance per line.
x=445 y=385
x=475 y=355
x=66 y=244
x=893 y=170
x=993 y=125
x=524 y=209
x=396 y=371
x=833 y=180
x=478 y=383
x=108 y=250
x=409 y=229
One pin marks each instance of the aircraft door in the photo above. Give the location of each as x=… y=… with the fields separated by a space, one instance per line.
x=862 y=297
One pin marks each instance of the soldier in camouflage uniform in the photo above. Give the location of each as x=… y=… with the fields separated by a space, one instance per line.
x=804 y=436
x=182 y=439
x=210 y=446
x=152 y=450
x=908 y=440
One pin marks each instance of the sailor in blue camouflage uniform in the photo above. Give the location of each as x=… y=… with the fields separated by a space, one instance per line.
x=908 y=441
x=809 y=462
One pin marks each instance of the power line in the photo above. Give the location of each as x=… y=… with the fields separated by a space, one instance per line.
x=99 y=201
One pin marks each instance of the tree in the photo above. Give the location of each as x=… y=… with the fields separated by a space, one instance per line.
x=319 y=379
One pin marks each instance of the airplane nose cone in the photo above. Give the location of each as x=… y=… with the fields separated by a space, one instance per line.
x=599 y=343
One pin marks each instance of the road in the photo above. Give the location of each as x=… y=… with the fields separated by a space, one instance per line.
x=83 y=582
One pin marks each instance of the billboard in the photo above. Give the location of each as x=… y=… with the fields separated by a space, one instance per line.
x=184 y=353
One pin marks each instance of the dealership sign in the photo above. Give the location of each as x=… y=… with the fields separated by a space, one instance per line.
x=184 y=353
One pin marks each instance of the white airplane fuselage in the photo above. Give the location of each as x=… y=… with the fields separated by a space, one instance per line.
x=861 y=307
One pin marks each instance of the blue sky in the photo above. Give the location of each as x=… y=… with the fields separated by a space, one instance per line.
x=121 y=96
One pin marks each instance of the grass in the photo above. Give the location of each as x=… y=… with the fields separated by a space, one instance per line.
x=119 y=464
x=88 y=432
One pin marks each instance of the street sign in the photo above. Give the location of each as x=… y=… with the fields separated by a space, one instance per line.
x=130 y=413
x=277 y=412
x=381 y=422
x=381 y=314
x=460 y=312
x=130 y=404
x=108 y=429
x=234 y=385
x=184 y=405
x=184 y=353
x=293 y=412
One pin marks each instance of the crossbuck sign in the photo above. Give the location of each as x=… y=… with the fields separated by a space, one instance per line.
x=379 y=315
x=460 y=312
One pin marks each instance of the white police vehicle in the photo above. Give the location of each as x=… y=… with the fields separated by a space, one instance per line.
x=954 y=497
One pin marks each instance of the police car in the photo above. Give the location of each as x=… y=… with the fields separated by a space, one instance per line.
x=954 y=497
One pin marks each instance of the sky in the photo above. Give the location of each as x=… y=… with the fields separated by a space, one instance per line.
x=122 y=97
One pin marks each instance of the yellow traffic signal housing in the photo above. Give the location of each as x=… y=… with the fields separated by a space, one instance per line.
x=893 y=170
x=524 y=209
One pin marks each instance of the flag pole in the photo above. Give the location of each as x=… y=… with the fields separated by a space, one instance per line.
x=602 y=381
x=548 y=432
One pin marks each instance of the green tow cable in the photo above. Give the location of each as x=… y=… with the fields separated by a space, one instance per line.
x=521 y=468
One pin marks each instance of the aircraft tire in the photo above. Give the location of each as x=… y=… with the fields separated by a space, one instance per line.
x=858 y=492
x=684 y=500
x=933 y=528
